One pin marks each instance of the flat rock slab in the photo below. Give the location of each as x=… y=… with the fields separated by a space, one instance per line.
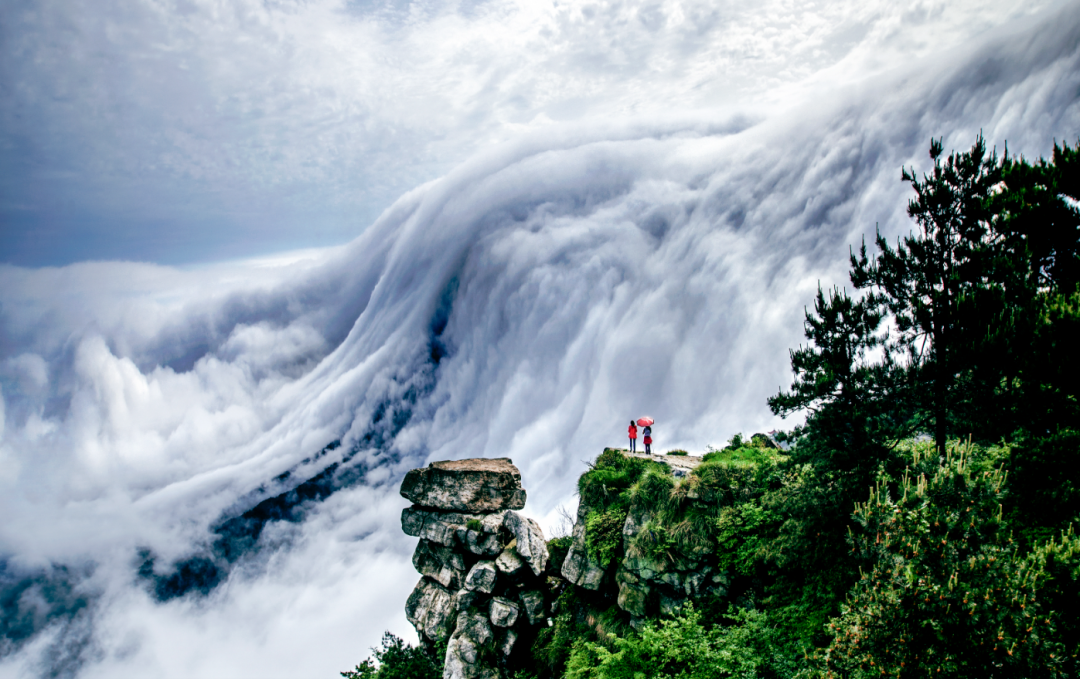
x=476 y=485
x=683 y=462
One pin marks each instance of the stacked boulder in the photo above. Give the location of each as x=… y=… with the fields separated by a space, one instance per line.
x=482 y=564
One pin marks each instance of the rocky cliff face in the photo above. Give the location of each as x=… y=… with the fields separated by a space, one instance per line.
x=483 y=565
x=648 y=585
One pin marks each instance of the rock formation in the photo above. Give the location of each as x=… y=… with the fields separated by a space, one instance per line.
x=648 y=585
x=482 y=564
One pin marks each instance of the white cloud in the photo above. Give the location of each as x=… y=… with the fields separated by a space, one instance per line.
x=248 y=124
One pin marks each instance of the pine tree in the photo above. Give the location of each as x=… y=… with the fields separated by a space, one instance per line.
x=930 y=281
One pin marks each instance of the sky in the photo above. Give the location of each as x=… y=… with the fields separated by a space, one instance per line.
x=275 y=254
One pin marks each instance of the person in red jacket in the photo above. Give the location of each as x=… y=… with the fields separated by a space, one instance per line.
x=633 y=435
x=648 y=440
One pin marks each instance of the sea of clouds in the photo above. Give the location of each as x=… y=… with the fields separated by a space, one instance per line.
x=199 y=466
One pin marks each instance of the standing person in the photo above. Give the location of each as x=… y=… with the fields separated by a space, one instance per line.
x=633 y=436
x=648 y=439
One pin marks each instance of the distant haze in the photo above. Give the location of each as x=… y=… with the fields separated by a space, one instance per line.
x=359 y=237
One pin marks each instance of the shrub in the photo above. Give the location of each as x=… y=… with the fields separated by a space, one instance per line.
x=678 y=452
x=739 y=536
x=947 y=589
x=681 y=648
x=603 y=535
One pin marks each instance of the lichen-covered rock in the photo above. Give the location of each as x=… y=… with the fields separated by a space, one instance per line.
x=479 y=542
x=481 y=577
x=670 y=605
x=431 y=610
x=636 y=519
x=633 y=598
x=508 y=560
x=503 y=612
x=531 y=545
x=578 y=567
x=439 y=563
x=462 y=655
x=477 y=533
x=475 y=626
x=533 y=602
x=476 y=485
x=466 y=599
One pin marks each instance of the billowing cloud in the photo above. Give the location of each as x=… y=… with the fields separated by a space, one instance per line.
x=198 y=466
x=185 y=130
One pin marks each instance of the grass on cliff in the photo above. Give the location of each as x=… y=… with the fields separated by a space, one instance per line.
x=682 y=517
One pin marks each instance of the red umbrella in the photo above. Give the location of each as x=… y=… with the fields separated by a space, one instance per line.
x=645 y=421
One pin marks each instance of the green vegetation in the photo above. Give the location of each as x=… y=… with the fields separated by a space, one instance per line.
x=678 y=647
x=678 y=452
x=397 y=660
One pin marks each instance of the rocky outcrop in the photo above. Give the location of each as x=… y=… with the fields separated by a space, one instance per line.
x=649 y=584
x=483 y=565
x=578 y=567
x=478 y=485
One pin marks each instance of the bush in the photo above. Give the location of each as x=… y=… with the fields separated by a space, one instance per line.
x=946 y=588
x=603 y=535
x=681 y=648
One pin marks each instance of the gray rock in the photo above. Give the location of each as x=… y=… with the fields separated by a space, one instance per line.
x=578 y=567
x=670 y=605
x=531 y=545
x=693 y=584
x=673 y=579
x=451 y=529
x=465 y=599
x=636 y=519
x=431 y=610
x=633 y=598
x=474 y=626
x=439 y=563
x=720 y=583
x=481 y=577
x=476 y=485
x=533 y=602
x=509 y=640
x=462 y=655
x=503 y=612
x=508 y=561
x=484 y=544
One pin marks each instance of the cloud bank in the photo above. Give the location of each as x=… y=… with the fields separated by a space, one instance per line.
x=179 y=131
x=198 y=467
